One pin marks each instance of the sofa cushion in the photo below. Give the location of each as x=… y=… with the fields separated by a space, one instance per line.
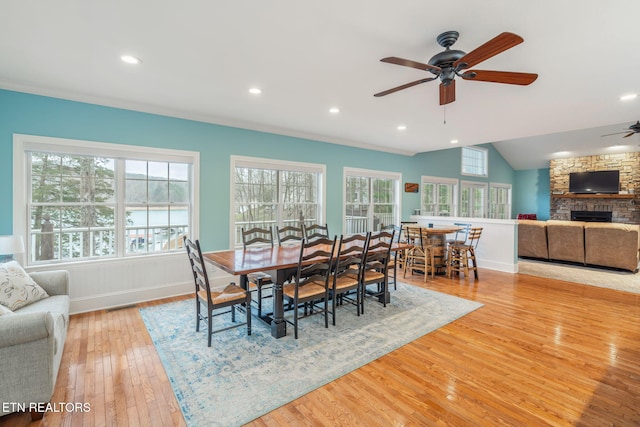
x=17 y=289
x=532 y=239
x=566 y=240
x=4 y=310
x=612 y=245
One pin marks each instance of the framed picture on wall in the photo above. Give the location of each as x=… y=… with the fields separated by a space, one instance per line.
x=411 y=187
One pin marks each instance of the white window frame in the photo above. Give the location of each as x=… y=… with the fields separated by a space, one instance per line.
x=440 y=180
x=485 y=160
x=22 y=144
x=474 y=184
x=371 y=174
x=493 y=185
x=274 y=164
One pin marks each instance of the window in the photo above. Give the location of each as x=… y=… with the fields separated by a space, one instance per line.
x=474 y=161
x=439 y=196
x=371 y=199
x=472 y=199
x=90 y=200
x=499 y=201
x=157 y=204
x=269 y=193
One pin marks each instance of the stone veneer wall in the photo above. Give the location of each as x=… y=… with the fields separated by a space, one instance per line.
x=623 y=210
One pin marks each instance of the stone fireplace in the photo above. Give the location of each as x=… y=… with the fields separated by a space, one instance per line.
x=621 y=208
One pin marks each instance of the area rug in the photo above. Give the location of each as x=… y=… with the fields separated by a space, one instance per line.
x=605 y=278
x=240 y=378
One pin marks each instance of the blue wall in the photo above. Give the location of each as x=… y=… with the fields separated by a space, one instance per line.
x=38 y=115
x=533 y=192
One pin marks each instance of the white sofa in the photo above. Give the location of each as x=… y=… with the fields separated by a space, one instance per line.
x=31 y=344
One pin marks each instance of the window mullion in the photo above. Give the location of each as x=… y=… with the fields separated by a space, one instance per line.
x=120 y=208
x=279 y=200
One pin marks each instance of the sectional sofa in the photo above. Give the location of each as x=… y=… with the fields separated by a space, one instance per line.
x=589 y=243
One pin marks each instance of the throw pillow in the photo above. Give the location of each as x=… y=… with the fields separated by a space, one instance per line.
x=4 y=310
x=17 y=288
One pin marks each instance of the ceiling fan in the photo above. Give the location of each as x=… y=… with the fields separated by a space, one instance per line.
x=634 y=128
x=450 y=63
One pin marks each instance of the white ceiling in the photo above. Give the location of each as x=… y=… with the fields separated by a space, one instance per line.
x=201 y=57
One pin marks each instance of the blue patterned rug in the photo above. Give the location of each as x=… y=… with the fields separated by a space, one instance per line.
x=240 y=378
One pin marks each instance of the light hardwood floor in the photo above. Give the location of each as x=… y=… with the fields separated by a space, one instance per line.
x=540 y=352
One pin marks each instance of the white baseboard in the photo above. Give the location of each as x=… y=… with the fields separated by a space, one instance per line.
x=119 y=299
x=499 y=266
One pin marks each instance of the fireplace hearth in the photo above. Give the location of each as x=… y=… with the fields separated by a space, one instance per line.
x=591 y=216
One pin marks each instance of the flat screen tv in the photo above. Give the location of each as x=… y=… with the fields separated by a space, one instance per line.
x=603 y=182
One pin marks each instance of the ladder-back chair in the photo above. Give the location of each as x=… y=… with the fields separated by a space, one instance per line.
x=259 y=280
x=230 y=297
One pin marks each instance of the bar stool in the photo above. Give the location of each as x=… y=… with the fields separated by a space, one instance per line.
x=421 y=256
x=460 y=255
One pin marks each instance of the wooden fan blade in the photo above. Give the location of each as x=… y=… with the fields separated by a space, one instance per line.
x=447 y=93
x=628 y=135
x=502 y=77
x=404 y=86
x=412 y=64
x=618 y=133
x=496 y=45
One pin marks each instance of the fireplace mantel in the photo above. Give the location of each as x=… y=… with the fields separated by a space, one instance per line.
x=593 y=196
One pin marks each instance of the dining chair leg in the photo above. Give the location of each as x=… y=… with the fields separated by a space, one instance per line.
x=248 y=310
x=259 y=292
x=209 y=327
x=326 y=312
x=333 y=309
x=197 y=314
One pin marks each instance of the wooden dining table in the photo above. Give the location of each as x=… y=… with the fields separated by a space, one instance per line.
x=281 y=263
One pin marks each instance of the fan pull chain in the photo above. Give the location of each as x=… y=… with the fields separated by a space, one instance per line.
x=445 y=114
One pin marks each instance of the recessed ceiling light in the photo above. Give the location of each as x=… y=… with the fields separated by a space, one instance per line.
x=129 y=59
x=561 y=153
x=402 y=127
x=334 y=110
x=454 y=141
x=628 y=97
x=255 y=91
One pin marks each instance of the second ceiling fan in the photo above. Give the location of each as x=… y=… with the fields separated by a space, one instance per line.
x=450 y=63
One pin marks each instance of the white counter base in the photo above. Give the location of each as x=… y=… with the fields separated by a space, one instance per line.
x=498 y=246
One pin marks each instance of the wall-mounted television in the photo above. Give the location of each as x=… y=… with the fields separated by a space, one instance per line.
x=603 y=182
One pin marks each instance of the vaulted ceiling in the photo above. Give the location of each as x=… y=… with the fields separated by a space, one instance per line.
x=200 y=58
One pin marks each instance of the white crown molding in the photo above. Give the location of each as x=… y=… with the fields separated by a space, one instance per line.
x=169 y=112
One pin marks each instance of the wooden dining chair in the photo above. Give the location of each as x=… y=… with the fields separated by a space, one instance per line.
x=230 y=297
x=397 y=257
x=375 y=270
x=311 y=282
x=347 y=272
x=460 y=255
x=289 y=233
x=420 y=257
x=259 y=280
x=315 y=231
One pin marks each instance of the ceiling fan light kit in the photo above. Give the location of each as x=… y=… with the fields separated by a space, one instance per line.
x=450 y=63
